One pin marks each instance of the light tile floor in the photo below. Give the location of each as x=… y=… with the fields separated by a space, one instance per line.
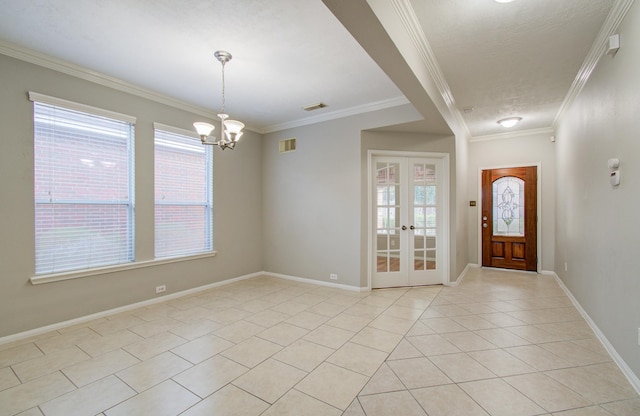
x=501 y=343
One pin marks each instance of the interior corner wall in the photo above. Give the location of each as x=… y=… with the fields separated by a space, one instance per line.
x=597 y=228
x=518 y=151
x=237 y=215
x=461 y=230
x=410 y=142
x=312 y=197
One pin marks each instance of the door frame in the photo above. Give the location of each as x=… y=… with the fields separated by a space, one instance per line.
x=538 y=166
x=371 y=153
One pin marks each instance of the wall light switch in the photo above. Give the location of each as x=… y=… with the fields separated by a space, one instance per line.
x=614 y=178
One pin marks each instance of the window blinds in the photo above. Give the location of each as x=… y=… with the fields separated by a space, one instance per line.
x=183 y=195
x=83 y=189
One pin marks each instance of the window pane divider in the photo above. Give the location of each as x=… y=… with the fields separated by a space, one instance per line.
x=82 y=202
x=182 y=204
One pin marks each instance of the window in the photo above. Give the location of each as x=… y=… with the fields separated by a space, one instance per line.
x=83 y=186
x=183 y=195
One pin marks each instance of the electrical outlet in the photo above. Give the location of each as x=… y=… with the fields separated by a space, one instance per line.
x=160 y=289
x=566 y=266
x=333 y=276
x=638 y=336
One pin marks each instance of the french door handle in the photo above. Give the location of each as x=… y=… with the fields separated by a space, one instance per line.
x=412 y=227
x=404 y=227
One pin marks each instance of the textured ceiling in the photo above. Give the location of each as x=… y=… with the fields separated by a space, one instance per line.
x=513 y=59
x=502 y=59
x=286 y=53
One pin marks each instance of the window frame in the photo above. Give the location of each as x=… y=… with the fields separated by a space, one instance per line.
x=128 y=203
x=207 y=205
x=137 y=263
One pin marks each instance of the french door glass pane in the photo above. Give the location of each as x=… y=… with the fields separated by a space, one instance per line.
x=424 y=216
x=387 y=217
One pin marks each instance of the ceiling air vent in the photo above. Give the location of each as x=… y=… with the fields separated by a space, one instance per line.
x=287 y=145
x=314 y=107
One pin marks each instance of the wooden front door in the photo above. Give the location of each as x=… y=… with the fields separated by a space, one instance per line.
x=509 y=218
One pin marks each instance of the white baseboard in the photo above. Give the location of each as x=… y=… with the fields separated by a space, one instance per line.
x=462 y=275
x=317 y=282
x=53 y=327
x=38 y=331
x=626 y=370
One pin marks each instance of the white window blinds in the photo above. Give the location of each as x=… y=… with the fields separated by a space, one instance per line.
x=183 y=195
x=83 y=188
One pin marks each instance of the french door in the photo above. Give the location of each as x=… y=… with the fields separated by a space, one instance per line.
x=408 y=219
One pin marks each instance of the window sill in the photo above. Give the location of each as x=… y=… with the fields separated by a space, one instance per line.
x=57 y=277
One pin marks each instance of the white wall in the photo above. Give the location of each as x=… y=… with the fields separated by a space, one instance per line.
x=518 y=151
x=597 y=228
x=237 y=215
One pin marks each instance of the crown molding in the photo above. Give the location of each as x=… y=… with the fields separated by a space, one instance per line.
x=351 y=111
x=86 y=74
x=597 y=51
x=512 y=134
x=409 y=19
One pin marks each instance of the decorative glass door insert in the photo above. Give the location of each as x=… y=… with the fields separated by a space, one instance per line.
x=508 y=206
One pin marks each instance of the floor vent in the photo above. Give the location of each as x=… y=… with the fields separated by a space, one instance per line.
x=287 y=145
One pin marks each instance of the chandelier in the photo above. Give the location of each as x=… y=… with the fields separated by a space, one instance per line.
x=230 y=130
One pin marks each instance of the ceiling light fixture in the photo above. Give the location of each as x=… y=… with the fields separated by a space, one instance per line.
x=503 y=1
x=509 y=122
x=230 y=130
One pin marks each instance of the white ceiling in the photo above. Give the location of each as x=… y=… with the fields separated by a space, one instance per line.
x=501 y=59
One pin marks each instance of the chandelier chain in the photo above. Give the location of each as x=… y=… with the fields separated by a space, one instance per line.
x=223 y=99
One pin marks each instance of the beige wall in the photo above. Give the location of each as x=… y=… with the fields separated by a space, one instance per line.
x=313 y=198
x=597 y=228
x=411 y=142
x=237 y=215
x=461 y=226
x=519 y=151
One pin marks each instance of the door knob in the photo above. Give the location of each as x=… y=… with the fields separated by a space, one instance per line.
x=404 y=227
x=484 y=225
x=412 y=227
